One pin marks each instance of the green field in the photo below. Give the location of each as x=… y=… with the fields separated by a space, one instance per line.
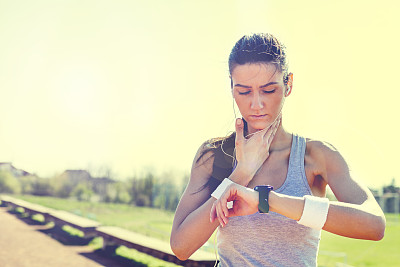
x=361 y=252
x=157 y=223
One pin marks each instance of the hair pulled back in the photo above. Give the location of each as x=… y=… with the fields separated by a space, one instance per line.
x=259 y=48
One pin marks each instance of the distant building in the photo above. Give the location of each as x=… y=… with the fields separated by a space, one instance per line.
x=7 y=166
x=75 y=177
x=388 y=198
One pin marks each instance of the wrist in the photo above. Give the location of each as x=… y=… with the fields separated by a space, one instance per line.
x=241 y=175
x=221 y=188
x=252 y=198
x=273 y=199
x=255 y=196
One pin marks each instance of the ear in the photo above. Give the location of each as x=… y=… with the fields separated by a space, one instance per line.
x=289 y=85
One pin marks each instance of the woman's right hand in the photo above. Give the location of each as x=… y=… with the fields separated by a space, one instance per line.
x=245 y=202
x=251 y=153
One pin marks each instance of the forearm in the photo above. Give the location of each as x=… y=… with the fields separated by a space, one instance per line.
x=241 y=175
x=345 y=219
x=193 y=232
x=355 y=221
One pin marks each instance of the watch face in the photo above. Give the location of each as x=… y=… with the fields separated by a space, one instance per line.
x=268 y=187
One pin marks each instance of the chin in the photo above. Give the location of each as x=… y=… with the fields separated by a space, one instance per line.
x=258 y=126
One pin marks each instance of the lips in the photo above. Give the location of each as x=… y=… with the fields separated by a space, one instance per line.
x=257 y=117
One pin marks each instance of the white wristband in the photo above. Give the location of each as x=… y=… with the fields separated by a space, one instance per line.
x=315 y=212
x=221 y=188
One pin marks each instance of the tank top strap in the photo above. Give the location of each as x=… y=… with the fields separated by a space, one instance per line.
x=297 y=152
x=296 y=180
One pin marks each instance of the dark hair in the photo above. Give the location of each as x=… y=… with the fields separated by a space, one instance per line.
x=259 y=48
x=255 y=48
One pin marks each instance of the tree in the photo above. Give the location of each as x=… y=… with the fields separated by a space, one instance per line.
x=122 y=194
x=166 y=193
x=141 y=190
x=8 y=183
x=27 y=183
x=392 y=188
x=118 y=193
x=42 y=187
x=82 y=192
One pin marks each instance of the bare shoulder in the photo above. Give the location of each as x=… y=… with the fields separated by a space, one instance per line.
x=327 y=158
x=321 y=146
x=204 y=158
x=321 y=149
x=336 y=173
x=202 y=167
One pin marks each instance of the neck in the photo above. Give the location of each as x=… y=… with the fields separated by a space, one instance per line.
x=281 y=139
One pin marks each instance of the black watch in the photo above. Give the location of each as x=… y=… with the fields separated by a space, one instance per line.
x=263 y=195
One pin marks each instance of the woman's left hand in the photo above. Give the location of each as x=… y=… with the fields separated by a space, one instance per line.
x=245 y=202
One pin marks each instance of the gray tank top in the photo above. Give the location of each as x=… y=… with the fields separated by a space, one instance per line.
x=272 y=239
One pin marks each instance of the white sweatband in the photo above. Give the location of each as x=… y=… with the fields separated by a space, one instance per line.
x=315 y=212
x=221 y=188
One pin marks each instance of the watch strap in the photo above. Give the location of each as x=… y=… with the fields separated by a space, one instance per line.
x=263 y=196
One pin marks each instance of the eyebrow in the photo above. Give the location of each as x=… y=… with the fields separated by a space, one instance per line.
x=248 y=87
x=268 y=84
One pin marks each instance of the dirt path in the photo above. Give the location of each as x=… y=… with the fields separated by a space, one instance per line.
x=23 y=245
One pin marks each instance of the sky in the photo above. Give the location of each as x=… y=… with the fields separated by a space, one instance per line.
x=129 y=86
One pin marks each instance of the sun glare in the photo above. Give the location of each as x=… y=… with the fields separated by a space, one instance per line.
x=78 y=91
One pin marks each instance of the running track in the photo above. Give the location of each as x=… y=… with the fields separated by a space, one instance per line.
x=23 y=245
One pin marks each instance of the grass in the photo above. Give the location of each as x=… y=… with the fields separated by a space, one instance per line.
x=158 y=224
x=142 y=259
x=362 y=252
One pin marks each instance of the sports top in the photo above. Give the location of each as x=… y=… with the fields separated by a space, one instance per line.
x=272 y=239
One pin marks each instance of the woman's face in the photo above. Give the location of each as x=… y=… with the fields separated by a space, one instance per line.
x=259 y=93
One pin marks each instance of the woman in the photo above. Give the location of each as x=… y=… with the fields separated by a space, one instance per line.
x=263 y=153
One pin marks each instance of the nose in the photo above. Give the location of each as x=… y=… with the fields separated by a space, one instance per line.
x=257 y=102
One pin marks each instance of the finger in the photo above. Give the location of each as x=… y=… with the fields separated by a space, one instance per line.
x=259 y=133
x=267 y=131
x=280 y=116
x=273 y=132
x=278 y=123
x=219 y=215
x=270 y=138
x=213 y=213
x=272 y=128
x=224 y=211
x=224 y=207
x=279 y=120
x=239 y=125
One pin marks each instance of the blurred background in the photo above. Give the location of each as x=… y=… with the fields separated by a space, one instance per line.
x=108 y=101
x=126 y=86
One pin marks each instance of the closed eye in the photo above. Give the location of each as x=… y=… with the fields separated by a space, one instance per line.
x=244 y=93
x=269 y=92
